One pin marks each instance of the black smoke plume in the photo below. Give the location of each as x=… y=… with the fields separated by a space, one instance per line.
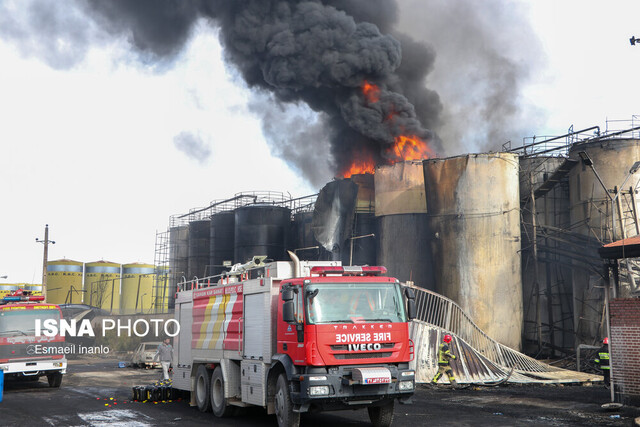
x=320 y=53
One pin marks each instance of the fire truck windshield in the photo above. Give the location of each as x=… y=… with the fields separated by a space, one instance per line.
x=23 y=322
x=353 y=303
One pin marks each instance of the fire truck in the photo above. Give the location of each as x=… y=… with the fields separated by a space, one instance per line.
x=23 y=354
x=294 y=337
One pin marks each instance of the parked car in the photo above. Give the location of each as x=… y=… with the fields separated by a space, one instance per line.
x=143 y=356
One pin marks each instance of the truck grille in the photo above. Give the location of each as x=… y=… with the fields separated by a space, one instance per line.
x=378 y=355
x=345 y=347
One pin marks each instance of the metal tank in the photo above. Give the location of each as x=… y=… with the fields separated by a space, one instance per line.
x=221 y=237
x=199 y=247
x=102 y=285
x=546 y=269
x=178 y=260
x=603 y=165
x=304 y=243
x=474 y=228
x=64 y=282
x=401 y=216
x=261 y=230
x=360 y=249
x=137 y=288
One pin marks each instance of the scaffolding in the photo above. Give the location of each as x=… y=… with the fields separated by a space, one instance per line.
x=167 y=275
x=554 y=248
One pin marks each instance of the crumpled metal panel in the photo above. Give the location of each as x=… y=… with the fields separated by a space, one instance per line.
x=486 y=361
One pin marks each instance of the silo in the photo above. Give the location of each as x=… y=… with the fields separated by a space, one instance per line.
x=360 y=249
x=261 y=230
x=64 y=282
x=401 y=215
x=474 y=227
x=178 y=260
x=304 y=242
x=199 y=246
x=546 y=267
x=102 y=285
x=137 y=288
x=591 y=216
x=221 y=241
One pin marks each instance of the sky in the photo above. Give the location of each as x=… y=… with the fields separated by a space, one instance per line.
x=105 y=147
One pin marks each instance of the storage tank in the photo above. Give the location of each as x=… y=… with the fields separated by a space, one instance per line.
x=474 y=227
x=360 y=249
x=221 y=241
x=591 y=216
x=199 y=247
x=102 y=285
x=261 y=230
x=401 y=215
x=547 y=306
x=137 y=288
x=64 y=282
x=178 y=260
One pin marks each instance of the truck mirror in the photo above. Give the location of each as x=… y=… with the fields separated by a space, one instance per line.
x=411 y=308
x=410 y=293
x=287 y=294
x=288 y=312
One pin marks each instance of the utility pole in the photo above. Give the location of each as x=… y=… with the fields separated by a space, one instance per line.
x=45 y=257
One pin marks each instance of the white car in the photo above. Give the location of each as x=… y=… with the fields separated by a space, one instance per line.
x=143 y=356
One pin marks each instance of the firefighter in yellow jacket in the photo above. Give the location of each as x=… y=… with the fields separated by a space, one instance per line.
x=444 y=355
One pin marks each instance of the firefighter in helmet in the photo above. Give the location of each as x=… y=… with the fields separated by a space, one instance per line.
x=603 y=360
x=444 y=355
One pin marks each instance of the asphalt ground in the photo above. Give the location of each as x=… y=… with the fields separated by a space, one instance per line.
x=95 y=392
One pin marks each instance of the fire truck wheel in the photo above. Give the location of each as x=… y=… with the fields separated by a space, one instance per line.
x=381 y=416
x=284 y=407
x=202 y=389
x=55 y=380
x=218 y=401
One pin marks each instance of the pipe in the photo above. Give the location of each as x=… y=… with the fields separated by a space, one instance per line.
x=296 y=264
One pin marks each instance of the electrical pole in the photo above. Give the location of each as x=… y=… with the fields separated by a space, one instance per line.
x=45 y=257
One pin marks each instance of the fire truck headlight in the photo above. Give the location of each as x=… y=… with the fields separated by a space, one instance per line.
x=4 y=367
x=319 y=390
x=57 y=365
x=405 y=385
x=408 y=374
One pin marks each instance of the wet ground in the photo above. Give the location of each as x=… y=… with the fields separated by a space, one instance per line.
x=95 y=392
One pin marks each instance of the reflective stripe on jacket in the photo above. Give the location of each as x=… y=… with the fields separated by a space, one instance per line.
x=444 y=354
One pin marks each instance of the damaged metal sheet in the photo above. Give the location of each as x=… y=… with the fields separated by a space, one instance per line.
x=479 y=359
x=333 y=213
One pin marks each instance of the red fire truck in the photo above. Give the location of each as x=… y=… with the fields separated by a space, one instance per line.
x=294 y=337
x=22 y=353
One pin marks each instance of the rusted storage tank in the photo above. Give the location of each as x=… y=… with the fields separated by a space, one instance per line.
x=591 y=216
x=137 y=288
x=474 y=224
x=401 y=216
x=547 y=305
x=221 y=241
x=178 y=260
x=102 y=285
x=64 y=282
x=199 y=249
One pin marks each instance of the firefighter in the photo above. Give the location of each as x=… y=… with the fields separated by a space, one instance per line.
x=603 y=360
x=444 y=355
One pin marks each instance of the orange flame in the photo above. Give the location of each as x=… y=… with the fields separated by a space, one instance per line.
x=409 y=147
x=371 y=92
x=360 y=166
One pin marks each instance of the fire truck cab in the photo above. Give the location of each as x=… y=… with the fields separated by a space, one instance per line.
x=23 y=354
x=294 y=337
